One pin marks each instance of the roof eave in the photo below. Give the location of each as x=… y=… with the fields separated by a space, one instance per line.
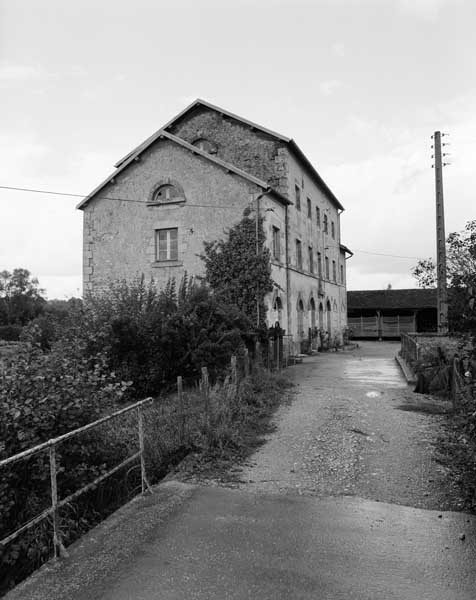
x=311 y=168
x=194 y=150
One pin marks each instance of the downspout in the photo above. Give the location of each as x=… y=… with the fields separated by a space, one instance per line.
x=288 y=275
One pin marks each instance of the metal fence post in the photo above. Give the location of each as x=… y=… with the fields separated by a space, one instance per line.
x=247 y=363
x=58 y=547
x=234 y=371
x=140 y=425
x=206 y=399
x=181 y=409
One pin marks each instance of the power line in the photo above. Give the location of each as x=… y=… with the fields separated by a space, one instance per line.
x=51 y=193
x=71 y=195
x=389 y=255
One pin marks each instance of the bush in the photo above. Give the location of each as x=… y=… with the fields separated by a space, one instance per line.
x=150 y=337
x=10 y=333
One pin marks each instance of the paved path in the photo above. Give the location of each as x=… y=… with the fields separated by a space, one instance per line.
x=355 y=428
x=319 y=513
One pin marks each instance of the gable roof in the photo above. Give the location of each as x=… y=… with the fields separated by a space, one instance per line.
x=289 y=141
x=391 y=299
x=166 y=135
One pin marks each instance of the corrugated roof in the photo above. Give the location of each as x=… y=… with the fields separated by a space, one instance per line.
x=165 y=134
x=391 y=299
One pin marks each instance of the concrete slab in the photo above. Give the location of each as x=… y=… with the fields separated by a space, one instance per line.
x=213 y=543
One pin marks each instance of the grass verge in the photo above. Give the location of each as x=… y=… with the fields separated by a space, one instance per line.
x=236 y=437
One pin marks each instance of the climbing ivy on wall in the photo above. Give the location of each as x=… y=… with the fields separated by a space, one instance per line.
x=237 y=270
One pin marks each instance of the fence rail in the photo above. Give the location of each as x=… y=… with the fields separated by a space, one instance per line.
x=57 y=503
x=274 y=356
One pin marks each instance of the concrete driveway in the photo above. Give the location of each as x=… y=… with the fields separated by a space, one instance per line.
x=335 y=506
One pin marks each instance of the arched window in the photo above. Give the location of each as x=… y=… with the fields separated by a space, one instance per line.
x=205 y=145
x=300 y=319
x=321 y=316
x=326 y=224
x=278 y=310
x=313 y=312
x=168 y=193
x=329 y=317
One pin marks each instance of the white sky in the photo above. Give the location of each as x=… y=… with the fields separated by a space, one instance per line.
x=359 y=84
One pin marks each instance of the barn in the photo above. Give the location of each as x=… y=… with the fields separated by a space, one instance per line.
x=389 y=313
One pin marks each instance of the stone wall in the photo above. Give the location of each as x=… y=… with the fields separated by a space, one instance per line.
x=253 y=151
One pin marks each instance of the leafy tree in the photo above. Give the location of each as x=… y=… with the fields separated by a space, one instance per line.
x=461 y=277
x=238 y=269
x=21 y=298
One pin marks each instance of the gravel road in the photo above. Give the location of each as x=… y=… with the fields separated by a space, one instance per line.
x=355 y=428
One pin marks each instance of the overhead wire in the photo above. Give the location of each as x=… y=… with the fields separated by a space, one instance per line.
x=73 y=195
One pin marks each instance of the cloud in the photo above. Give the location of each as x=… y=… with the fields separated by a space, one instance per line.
x=22 y=73
x=426 y=9
x=338 y=48
x=330 y=86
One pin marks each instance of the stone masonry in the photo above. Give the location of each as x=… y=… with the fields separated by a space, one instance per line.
x=218 y=164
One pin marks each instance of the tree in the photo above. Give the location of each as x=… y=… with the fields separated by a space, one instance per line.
x=21 y=298
x=461 y=277
x=238 y=269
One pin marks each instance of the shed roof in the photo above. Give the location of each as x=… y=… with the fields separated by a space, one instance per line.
x=289 y=141
x=391 y=299
x=194 y=150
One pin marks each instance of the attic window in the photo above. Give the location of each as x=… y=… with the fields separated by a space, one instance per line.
x=168 y=193
x=205 y=145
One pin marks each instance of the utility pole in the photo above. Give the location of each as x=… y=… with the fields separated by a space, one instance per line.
x=442 y=292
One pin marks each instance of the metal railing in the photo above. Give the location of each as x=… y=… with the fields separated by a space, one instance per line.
x=57 y=503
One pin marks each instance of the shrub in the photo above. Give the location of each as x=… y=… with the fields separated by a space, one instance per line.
x=10 y=333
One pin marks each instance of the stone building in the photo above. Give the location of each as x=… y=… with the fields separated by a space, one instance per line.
x=191 y=180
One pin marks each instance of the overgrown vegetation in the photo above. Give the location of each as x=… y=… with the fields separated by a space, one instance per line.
x=238 y=269
x=461 y=278
x=458 y=445
x=79 y=360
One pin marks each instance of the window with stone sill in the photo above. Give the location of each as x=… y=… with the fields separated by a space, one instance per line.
x=298 y=254
x=166 y=244
x=309 y=208
x=297 y=192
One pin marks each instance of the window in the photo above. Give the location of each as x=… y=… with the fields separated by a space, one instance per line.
x=168 y=193
x=278 y=310
x=311 y=260
x=327 y=267
x=319 y=264
x=318 y=216
x=334 y=271
x=298 y=254
x=309 y=208
x=300 y=319
x=313 y=313
x=326 y=225
x=342 y=273
x=276 y=243
x=166 y=244
x=333 y=230
x=205 y=145
x=298 y=197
